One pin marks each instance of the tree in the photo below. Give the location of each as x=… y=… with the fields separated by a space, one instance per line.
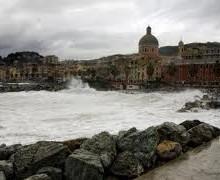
x=114 y=71
x=172 y=69
x=91 y=73
x=150 y=70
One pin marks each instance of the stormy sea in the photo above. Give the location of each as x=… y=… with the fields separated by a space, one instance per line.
x=81 y=111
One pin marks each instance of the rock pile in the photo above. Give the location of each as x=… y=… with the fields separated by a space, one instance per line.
x=206 y=102
x=34 y=86
x=104 y=156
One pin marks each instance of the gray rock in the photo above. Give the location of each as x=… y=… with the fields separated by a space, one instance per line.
x=142 y=143
x=7 y=151
x=84 y=165
x=2 y=176
x=214 y=104
x=52 y=172
x=188 y=124
x=202 y=133
x=122 y=134
x=127 y=165
x=39 y=177
x=139 y=141
x=29 y=159
x=74 y=144
x=148 y=160
x=205 y=102
x=7 y=168
x=104 y=145
x=112 y=178
x=173 y=132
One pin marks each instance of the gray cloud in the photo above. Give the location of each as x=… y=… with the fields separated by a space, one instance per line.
x=93 y=28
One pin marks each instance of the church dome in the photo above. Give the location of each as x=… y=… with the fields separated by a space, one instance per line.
x=181 y=43
x=148 y=39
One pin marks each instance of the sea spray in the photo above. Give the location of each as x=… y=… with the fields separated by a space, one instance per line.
x=82 y=111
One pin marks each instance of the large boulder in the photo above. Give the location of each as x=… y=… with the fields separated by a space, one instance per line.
x=202 y=133
x=139 y=141
x=7 y=168
x=173 y=132
x=205 y=102
x=104 y=145
x=142 y=143
x=122 y=134
x=214 y=104
x=188 y=124
x=39 y=177
x=127 y=166
x=168 y=150
x=7 y=151
x=29 y=159
x=74 y=144
x=52 y=172
x=84 y=165
x=148 y=160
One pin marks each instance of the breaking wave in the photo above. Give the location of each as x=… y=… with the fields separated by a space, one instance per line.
x=78 y=86
x=80 y=111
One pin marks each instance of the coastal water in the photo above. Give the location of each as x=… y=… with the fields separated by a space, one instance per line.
x=81 y=111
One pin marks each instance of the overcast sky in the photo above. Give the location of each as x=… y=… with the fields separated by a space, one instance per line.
x=86 y=29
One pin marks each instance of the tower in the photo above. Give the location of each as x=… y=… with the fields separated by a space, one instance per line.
x=181 y=48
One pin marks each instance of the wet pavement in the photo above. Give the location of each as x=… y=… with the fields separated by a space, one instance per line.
x=202 y=163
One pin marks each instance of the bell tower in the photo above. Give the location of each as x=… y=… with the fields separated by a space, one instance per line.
x=181 y=48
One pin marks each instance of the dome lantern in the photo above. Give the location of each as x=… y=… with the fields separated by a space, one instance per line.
x=149 y=30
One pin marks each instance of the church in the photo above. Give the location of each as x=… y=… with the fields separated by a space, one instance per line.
x=147 y=64
x=195 y=64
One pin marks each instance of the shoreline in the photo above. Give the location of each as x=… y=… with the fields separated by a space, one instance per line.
x=54 y=86
x=127 y=155
x=32 y=86
x=194 y=164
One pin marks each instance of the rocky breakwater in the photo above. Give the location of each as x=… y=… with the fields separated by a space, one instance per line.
x=32 y=86
x=104 y=156
x=206 y=102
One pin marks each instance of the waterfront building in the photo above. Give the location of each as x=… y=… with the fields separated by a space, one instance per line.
x=194 y=64
x=2 y=71
x=197 y=64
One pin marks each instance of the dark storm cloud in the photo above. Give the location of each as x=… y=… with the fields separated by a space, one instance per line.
x=93 y=28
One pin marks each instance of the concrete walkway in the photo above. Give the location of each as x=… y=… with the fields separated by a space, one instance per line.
x=202 y=163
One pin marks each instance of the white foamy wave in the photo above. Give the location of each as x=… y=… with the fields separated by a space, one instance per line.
x=28 y=117
x=78 y=86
